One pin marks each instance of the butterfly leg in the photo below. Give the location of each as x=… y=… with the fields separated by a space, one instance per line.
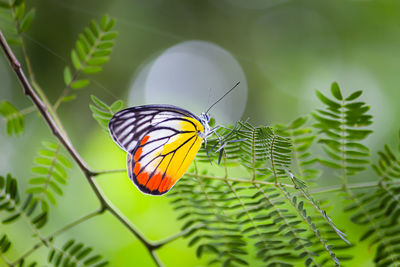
x=222 y=142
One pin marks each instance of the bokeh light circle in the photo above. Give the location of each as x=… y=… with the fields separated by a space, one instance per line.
x=193 y=75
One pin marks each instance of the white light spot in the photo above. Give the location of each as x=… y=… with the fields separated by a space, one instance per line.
x=185 y=75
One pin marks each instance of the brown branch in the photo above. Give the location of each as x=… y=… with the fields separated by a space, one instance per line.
x=89 y=174
x=28 y=90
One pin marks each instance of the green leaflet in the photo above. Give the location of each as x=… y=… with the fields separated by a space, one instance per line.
x=5 y=244
x=93 y=47
x=15 y=121
x=91 y=52
x=50 y=172
x=10 y=202
x=73 y=253
x=343 y=124
x=102 y=112
x=302 y=138
x=14 y=20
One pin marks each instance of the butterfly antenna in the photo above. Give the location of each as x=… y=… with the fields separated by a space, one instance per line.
x=222 y=96
x=209 y=96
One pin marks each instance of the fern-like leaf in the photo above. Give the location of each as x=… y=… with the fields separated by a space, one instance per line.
x=50 y=174
x=301 y=138
x=379 y=209
x=11 y=203
x=102 y=112
x=252 y=207
x=343 y=123
x=73 y=253
x=213 y=231
x=91 y=52
x=261 y=151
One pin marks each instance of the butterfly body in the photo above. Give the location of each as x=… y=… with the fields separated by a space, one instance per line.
x=161 y=141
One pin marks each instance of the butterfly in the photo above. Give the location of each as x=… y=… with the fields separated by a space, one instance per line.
x=161 y=142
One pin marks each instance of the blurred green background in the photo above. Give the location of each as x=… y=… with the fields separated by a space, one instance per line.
x=286 y=50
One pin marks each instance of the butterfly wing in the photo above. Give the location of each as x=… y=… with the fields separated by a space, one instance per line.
x=161 y=142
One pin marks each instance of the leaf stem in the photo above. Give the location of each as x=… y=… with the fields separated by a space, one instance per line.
x=299 y=241
x=176 y=236
x=66 y=91
x=5 y=259
x=272 y=160
x=343 y=144
x=310 y=225
x=233 y=179
x=335 y=188
x=95 y=173
x=68 y=88
x=51 y=169
x=24 y=111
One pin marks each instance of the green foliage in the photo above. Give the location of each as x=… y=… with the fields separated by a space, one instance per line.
x=26 y=20
x=75 y=254
x=268 y=216
x=343 y=125
x=22 y=264
x=102 y=112
x=11 y=203
x=15 y=121
x=91 y=52
x=228 y=215
x=302 y=138
x=5 y=244
x=379 y=209
x=50 y=174
x=7 y=24
x=15 y=19
x=262 y=152
x=212 y=230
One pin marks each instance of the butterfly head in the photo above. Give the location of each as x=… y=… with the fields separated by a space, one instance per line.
x=205 y=119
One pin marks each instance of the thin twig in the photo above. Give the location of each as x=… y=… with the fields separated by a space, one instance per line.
x=176 y=236
x=304 y=217
x=95 y=173
x=5 y=259
x=156 y=258
x=335 y=188
x=233 y=179
x=89 y=174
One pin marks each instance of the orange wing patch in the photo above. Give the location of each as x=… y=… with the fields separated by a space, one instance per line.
x=136 y=169
x=144 y=140
x=143 y=178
